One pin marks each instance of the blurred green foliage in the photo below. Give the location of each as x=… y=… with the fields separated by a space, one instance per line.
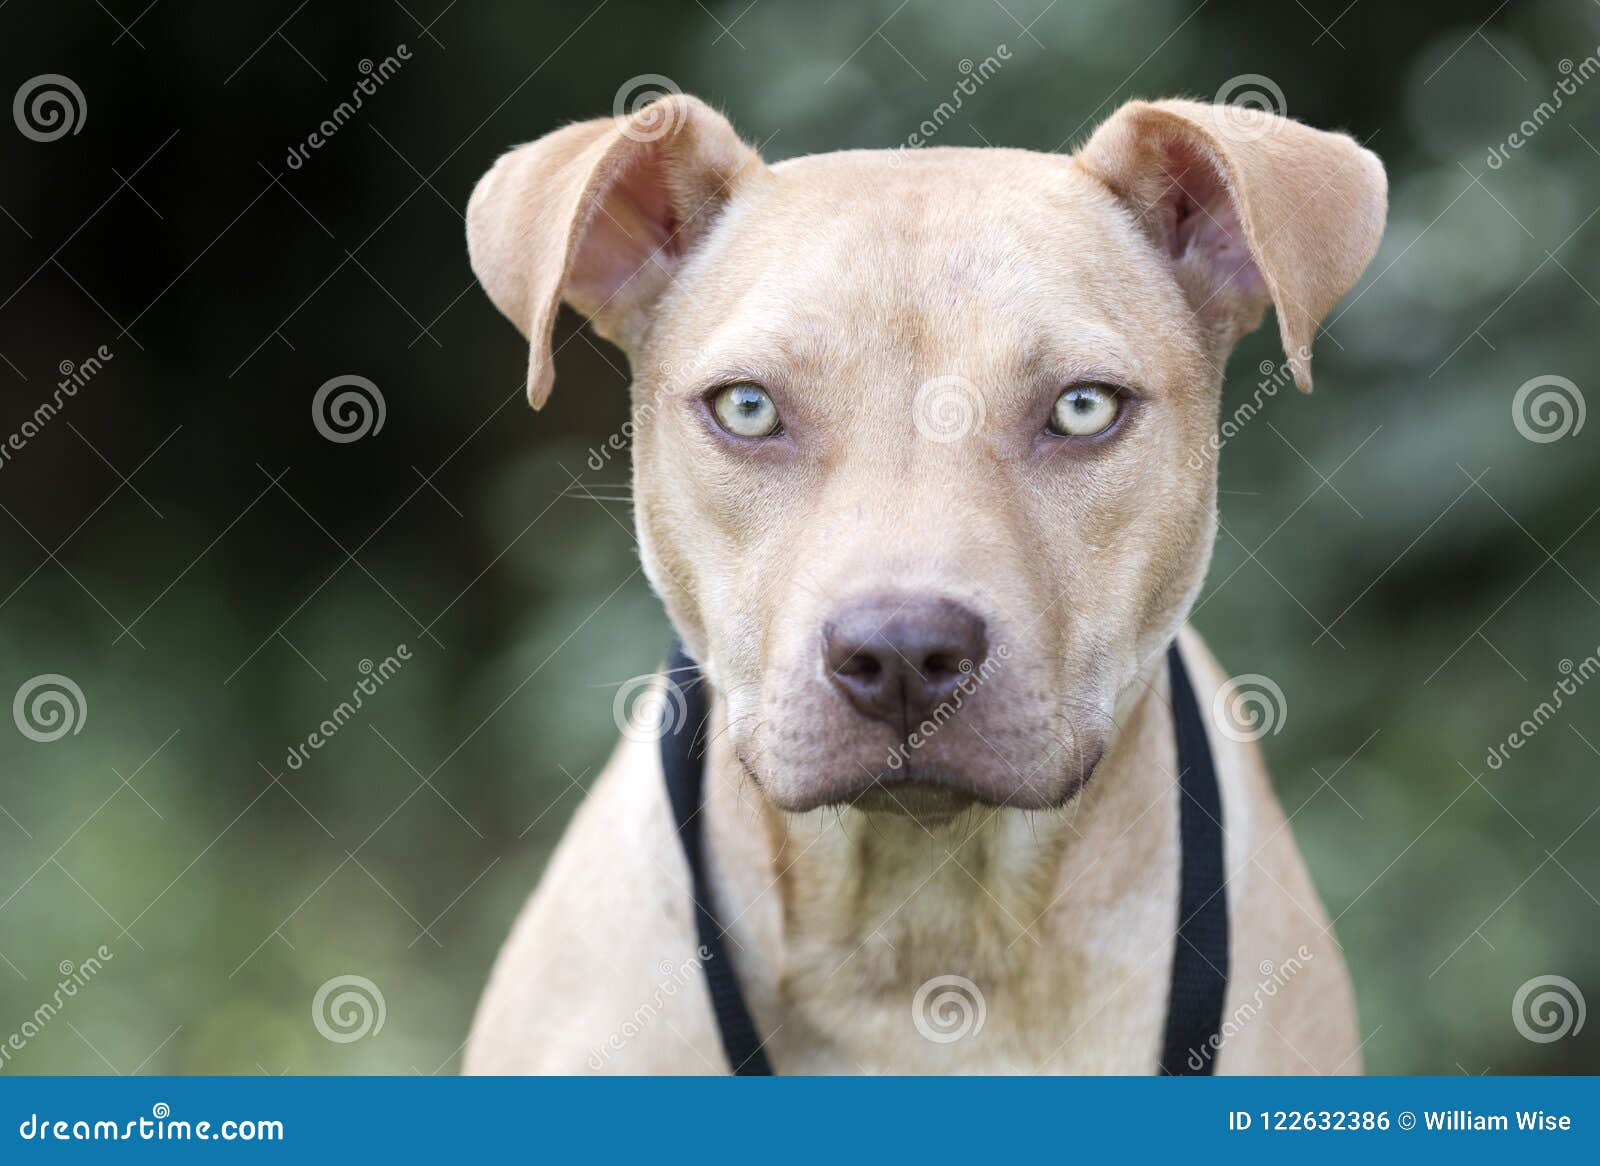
x=1406 y=565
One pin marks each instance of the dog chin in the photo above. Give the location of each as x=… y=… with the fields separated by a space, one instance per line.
x=931 y=797
x=926 y=799
x=926 y=792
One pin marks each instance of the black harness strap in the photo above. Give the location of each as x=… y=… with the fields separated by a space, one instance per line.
x=683 y=750
x=1200 y=952
x=1200 y=955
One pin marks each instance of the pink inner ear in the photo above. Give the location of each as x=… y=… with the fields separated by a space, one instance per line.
x=1204 y=223
x=633 y=230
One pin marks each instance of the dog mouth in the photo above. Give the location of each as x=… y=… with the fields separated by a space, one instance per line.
x=926 y=798
x=935 y=793
x=930 y=786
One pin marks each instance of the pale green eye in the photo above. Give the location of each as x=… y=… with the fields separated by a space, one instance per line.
x=1084 y=410
x=746 y=411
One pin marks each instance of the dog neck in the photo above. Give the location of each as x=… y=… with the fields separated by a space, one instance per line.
x=862 y=901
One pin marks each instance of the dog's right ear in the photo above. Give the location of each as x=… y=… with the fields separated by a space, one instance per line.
x=601 y=214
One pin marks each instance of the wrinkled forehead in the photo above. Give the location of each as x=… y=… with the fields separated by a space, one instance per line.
x=919 y=264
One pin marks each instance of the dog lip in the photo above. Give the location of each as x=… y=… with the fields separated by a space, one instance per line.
x=922 y=798
x=926 y=792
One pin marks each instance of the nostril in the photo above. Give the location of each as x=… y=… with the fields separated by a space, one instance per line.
x=860 y=666
x=894 y=657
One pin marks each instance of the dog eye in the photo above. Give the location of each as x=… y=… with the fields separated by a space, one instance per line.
x=746 y=411
x=1084 y=410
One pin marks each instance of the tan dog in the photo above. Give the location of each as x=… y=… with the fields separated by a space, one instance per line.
x=923 y=472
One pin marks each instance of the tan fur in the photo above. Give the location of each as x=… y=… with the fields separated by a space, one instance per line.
x=843 y=283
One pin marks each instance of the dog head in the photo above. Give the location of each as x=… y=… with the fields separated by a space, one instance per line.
x=922 y=438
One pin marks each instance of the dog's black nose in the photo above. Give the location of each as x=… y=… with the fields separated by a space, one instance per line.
x=896 y=657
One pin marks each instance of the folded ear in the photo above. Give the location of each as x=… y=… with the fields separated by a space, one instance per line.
x=601 y=214
x=1250 y=207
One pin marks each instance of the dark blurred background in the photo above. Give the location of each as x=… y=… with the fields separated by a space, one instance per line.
x=182 y=543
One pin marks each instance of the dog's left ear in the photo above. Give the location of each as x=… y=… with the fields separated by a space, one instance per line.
x=601 y=214
x=1250 y=208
